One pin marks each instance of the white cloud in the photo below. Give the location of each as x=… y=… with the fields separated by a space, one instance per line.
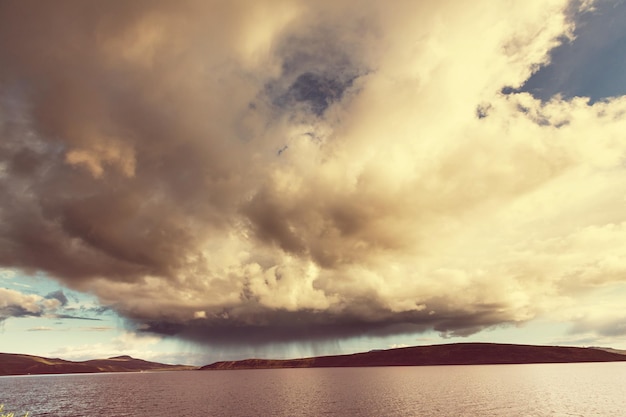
x=126 y=343
x=398 y=345
x=323 y=165
x=7 y=274
x=16 y=304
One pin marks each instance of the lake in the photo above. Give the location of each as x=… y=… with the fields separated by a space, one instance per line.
x=581 y=389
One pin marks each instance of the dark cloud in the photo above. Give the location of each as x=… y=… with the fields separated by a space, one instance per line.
x=315 y=90
x=286 y=171
x=98 y=310
x=270 y=327
x=58 y=295
x=72 y=317
x=15 y=311
x=14 y=304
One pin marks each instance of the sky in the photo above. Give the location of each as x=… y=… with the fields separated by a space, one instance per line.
x=195 y=181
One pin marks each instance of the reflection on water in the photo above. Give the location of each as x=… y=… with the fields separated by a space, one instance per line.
x=486 y=390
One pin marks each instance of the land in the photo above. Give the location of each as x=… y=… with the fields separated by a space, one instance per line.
x=16 y=364
x=448 y=354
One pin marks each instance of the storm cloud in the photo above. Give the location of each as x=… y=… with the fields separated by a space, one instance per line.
x=269 y=171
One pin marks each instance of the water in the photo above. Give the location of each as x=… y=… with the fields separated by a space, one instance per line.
x=584 y=389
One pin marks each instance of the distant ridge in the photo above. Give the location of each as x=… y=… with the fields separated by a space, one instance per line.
x=123 y=357
x=16 y=364
x=618 y=351
x=449 y=354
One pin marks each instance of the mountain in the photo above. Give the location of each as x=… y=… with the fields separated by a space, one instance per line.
x=16 y=364
x=450 y=354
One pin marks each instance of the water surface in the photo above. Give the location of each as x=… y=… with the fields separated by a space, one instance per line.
x=582 y=389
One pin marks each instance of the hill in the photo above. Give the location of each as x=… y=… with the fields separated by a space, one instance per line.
x=449 y=354
x=17 y=364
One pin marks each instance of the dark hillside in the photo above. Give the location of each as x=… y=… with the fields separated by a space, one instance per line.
x=16 y=364
x=451 y=354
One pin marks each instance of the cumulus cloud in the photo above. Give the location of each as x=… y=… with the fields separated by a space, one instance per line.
x=16 y=304
x=235 y=172
x=58 y=295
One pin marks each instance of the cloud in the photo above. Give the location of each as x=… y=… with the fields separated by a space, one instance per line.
x=69 y=316
x=7 y=274
x=398 y=345
x=58 y=295
x=39 y=329
x=235 y=173
x=85 y=329
x=127 y=343
x=16 y=304
x=97 y=329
